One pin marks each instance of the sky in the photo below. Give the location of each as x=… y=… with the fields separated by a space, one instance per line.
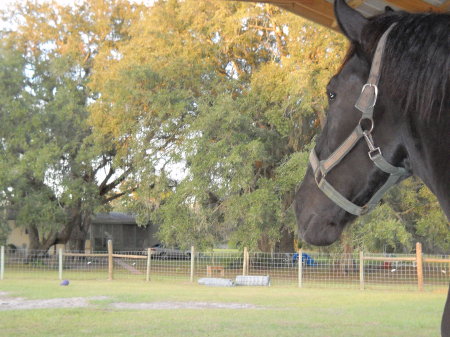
x=4 y=3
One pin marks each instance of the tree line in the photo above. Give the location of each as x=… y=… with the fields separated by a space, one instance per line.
x=197 y=116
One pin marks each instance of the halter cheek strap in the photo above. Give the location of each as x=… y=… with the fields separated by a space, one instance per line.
x=365 y=103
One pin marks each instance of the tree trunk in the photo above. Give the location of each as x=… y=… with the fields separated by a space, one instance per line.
x=286 y=243
x=264 y=244
x=80 y=232
x=347 y=259
x=39 y=242
x=33 y=235
x=38 y=248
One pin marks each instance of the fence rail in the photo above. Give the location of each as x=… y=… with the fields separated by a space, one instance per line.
x=302 y=269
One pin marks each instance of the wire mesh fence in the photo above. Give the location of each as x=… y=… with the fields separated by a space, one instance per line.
x=381 y=271
x=219 y=264
x=326 y=270
x=29 y=264
x=436 y=270
x=305 y=269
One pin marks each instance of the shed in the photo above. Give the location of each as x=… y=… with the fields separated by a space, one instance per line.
x=123 y=230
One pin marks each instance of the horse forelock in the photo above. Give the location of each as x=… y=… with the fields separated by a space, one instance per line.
x=416 y=63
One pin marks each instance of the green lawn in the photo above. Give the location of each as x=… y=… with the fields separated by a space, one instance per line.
x=282 y=311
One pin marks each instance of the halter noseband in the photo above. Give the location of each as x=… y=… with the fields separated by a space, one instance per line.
x=365 y=103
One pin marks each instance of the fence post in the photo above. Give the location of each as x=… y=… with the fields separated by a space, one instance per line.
x=419 y=263
x=247 y=256
x=60 y=263
x=300 y=268
x=192 y=263
x=361 y=270
x=149 y=263
x=110 y=260
x=2 y=262
x=244 y=265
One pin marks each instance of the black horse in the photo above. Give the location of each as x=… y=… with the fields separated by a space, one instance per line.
x=388 y=118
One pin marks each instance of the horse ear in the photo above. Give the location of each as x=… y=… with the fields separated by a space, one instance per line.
x=350 y=20
x=388 y=9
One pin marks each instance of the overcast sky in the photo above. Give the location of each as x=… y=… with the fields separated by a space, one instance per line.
x=5 y=3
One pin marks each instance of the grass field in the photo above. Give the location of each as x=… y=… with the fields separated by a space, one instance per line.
x=277 y=311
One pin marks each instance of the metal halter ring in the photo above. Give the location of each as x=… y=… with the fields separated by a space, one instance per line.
x=375 y=88
x=369 y=131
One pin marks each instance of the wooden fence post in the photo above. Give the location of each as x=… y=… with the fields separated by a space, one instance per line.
x=149 y=264
x=300 y=268
x=244 y=266
x=361 y=270
x=192 y=263
x=419 y=264
x=248 y=262
x=110 y=260
x=60 y=263
x=2 y=262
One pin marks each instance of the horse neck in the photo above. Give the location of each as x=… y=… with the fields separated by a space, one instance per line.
x=428 y=146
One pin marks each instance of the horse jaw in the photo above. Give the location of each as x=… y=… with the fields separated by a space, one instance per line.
x=320 y=221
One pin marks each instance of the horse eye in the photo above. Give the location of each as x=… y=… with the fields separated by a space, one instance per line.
x=331 y=95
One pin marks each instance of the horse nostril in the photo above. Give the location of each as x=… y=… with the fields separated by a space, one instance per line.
x=333 y=224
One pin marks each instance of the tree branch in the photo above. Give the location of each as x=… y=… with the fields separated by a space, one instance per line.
x=105 y=188
x=104 y=183
x=118 y=195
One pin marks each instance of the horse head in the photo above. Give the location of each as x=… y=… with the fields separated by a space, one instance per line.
x=369 y=139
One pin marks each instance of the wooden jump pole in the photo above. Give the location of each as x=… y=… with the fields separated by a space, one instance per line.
x=300 y=268
x=149 y=264
x=419 y=263
x=110 y=260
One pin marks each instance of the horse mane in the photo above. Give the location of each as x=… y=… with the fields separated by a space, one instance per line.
x=416 y=62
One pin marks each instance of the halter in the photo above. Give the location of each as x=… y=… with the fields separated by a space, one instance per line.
x=365 y=103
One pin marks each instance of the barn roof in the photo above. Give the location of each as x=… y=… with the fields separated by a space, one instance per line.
x=321 y=11
x=114 y=218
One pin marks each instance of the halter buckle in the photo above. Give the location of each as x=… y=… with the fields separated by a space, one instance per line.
x=374 y=153
x=375 y=94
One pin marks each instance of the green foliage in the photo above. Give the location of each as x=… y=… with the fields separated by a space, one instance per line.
x=382 y=231
x=50 y=161
x=232 y=102
x=4 y=230
x=199 y=114
x=413 y=204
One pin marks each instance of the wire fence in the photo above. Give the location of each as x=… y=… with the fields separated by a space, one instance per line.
x=303 y=269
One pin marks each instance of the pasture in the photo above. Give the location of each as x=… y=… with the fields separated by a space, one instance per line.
x=137 y=308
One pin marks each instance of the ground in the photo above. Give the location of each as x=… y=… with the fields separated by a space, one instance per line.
x=18 y=303
x=162 y=308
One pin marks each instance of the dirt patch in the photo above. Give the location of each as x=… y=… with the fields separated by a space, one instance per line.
x=182 y=305
x=19 y=303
